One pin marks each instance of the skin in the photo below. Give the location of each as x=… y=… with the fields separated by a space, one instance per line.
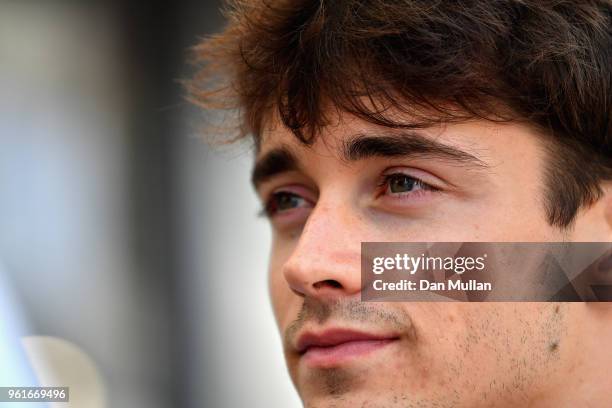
x=446 y=354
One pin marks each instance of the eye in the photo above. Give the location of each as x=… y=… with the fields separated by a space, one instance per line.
x=402 y=184
x=284 y=201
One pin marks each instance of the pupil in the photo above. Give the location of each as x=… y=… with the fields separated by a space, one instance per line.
x=401 y=184
x=287 y=201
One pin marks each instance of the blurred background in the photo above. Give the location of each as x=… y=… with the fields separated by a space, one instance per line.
x=121 y=232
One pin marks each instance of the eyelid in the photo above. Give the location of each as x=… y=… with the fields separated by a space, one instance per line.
x=421 y=175
x=283 y=181
x=295 y=188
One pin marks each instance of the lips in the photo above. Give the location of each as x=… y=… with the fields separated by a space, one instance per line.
x=336 y=346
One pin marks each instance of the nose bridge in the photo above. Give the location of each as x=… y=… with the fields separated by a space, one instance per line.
x=327 y=255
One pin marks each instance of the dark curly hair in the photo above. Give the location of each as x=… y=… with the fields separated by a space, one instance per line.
x=547 y=63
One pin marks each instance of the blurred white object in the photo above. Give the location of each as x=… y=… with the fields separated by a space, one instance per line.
x=14 y=369
x=59 y=363
x=43 y=361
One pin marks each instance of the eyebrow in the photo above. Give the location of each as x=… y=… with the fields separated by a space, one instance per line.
x=406 y=143
x=363 y=146
x=276 y=161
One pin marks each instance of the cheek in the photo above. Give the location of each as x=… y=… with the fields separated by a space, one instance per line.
x=472 y=223
x=281 y=295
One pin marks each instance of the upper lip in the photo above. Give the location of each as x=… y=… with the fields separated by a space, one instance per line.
x=334 y=337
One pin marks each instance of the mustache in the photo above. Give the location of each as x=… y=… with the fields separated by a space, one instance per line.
x=348 y=311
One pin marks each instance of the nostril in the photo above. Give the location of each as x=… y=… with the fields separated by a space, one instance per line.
x=330 y=283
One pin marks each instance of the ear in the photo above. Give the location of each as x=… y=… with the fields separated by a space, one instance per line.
x=594 y=223
x=604 y=309
x=607 y=199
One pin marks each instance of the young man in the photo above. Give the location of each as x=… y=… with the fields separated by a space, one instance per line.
x=421 y=121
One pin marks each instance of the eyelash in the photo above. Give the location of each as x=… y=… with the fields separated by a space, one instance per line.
x=383 y=185
x=382 y=189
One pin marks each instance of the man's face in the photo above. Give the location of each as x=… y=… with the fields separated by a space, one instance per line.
x=475 y=181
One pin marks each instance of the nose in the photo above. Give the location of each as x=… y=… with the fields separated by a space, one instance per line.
x=326 y=260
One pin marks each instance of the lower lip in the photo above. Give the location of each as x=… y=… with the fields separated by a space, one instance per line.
x=335 y=355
